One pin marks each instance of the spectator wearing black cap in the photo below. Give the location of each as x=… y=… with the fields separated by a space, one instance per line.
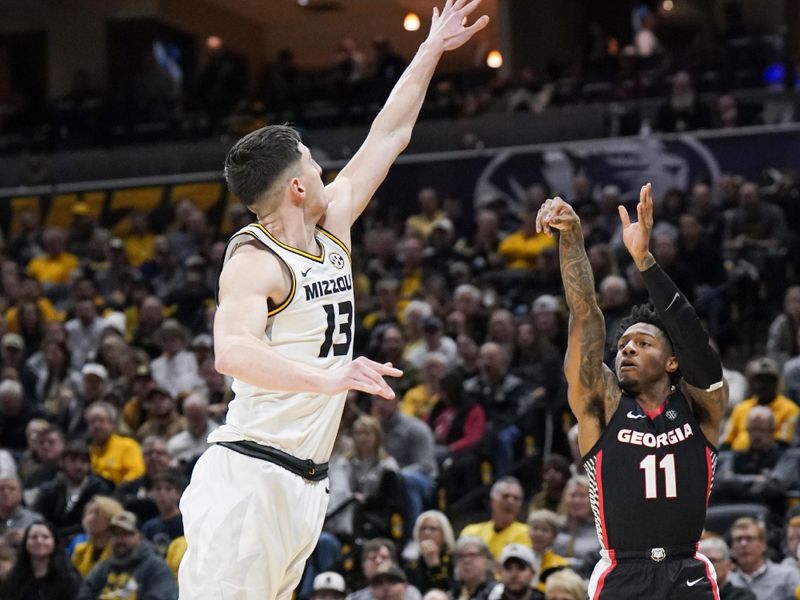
x=390 y=583
x=62 y=500
x=133 y=570
x=763 y=376
x=163 y=419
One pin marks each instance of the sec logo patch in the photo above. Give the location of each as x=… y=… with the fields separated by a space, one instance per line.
x=337 y=260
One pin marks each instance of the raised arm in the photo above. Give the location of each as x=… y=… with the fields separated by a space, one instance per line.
x=588 y=378
x=699 y=364
x=249 y=277
x=391 y=131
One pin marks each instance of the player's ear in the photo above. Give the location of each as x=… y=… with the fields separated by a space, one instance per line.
x=672 y=365
x=297 y=189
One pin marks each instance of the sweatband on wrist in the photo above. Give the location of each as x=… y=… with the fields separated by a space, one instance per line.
x=699 y=363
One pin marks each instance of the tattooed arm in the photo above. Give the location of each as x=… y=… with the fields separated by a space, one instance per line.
x=593 y=392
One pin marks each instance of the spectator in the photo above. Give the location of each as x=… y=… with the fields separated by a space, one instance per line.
x=784 y=331
x=791 y=375
x=421 y=224
x=163 y=419
x=474 y=570
x=15 y=414
x=84 y=333
x=549 y=321
x=577 y=541
x=14 y=518
x=165 y=491
x=55 y=266
x=716 y=550
x=95 y=546
x=187 y=445
x=329 y=586
x=57 y=384
x=389 y=583
x=565 y=585
x=132 y=569
x=62 y=500
x=42 y=569
x=502 y=528
x=430 y=560
x=792 y=542
x=421 y=399
x=543 y=527
x=433 y=340
x=502 y=396
x=410 y=442
x=113 y=456
x=134 y=494
x=133 y=413
x=521 y=249
x=517 y=573
x=175 y=370
x=379 y=554
x=763 y=376
x=683 y=110
x=555 y=474
x=150 y=318
x=755 y=572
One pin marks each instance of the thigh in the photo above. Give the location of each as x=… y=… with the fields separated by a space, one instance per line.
x=629 y=580
x=247 y=524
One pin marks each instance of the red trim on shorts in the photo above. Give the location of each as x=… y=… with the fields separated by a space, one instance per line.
x=709 y=468
x=601 y=582
x=714 y=587
x=656 y=411
x=598 y=477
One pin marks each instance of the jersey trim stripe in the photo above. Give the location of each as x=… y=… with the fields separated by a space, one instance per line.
x=711 y=464
x=594 y=594
x=594 y=472
x=714 y=587
x=319 y=259
x=224 y=254
x=335 y=240
x=290 y=296
x=656 y=411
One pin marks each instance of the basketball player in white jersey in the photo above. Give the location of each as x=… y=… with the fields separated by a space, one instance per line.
x=283 y=330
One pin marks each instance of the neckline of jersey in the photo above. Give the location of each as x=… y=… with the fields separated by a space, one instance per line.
x=302 y=253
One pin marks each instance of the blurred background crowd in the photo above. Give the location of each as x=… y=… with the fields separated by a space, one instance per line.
x=469 y=484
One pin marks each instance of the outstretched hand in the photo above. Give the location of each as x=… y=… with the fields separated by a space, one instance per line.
x=449 y=27
x=364 y=375
x=555 y=214
x=636 y=236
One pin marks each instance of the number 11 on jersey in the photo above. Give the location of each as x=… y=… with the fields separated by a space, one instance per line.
x=667 y=464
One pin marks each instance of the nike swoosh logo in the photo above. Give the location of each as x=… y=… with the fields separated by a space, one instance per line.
x=675 y=297
x=304 y=273
x=633 y=416
x=695 y=582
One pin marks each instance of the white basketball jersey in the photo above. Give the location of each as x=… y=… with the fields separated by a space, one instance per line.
x=313 y=325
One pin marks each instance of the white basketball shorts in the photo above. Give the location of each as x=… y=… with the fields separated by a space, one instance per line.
x=250 y=526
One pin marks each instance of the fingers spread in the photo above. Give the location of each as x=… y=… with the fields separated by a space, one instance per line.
x=623 y=216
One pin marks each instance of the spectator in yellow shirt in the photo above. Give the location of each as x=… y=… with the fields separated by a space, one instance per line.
x=420 y=400
x=115 y=457
x=56 y=265
x=502 y=528
x=140 y=242
x=422 y=223
x=763 y=376
x=97 y=515
x=521 y=249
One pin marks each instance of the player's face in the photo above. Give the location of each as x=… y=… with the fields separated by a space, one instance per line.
x=643 y=356
x=311 y=176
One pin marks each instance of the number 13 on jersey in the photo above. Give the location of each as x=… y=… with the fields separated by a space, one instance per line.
x=666 y=464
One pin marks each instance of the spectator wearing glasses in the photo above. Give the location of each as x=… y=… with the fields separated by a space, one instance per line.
x=474 y=569
x=716 y=550
x=767 y=580
x=431 y=563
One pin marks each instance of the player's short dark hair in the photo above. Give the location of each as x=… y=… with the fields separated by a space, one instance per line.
x=642 y=313
x=257 y=160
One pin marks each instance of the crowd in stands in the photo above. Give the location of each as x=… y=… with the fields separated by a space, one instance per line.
x=469 y=482
x=222 y=97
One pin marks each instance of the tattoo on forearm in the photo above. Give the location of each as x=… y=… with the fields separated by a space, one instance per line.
x=576 y=273
x=645 y=263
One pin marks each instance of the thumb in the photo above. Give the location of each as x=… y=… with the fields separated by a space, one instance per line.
x=623 y=216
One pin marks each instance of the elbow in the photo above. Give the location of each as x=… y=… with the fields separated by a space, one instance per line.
x=222 y=362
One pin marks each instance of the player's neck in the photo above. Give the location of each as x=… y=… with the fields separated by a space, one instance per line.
x=292 y=230
x=652 y=396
